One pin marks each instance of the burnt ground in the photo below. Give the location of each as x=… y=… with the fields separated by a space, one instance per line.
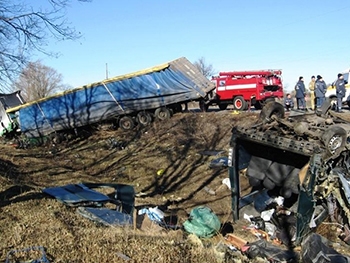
x=28 y=217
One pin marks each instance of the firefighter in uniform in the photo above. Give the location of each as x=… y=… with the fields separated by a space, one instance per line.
x=320 y=91
x=340 y=91
x=300 y=93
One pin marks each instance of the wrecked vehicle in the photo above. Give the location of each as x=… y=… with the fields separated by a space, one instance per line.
x=302 y=156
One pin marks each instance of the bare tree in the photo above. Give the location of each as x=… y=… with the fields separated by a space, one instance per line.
x=206 y=69
x=24 y=29
x=38 y=81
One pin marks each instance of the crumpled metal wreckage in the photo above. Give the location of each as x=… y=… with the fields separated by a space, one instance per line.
x=303 y=157
x=89 y=202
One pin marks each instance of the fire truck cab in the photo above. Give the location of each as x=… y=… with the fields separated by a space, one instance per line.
x=245 y=88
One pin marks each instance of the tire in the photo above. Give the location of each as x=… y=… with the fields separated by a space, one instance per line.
x=254 y=182
x=269 y=100
x=271 y=109
x=258 y=105
x=286 y=192
x=239 y=103
x=144 y=118
x=162 y=113
x=126 y=123
x=334 y=139
x=203 y=106
x=268 y=184
x=222 y=106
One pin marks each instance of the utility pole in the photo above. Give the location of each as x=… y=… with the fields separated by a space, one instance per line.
x=106 y=70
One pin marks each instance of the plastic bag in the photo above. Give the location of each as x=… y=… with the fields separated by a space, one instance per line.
x=202 y=222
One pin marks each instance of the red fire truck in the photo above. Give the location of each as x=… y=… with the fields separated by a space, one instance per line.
x=244 y=89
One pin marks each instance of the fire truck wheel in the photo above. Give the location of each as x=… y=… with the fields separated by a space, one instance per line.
x=126 y=123
x=334 y=139
x=271 y=109
x=203 y=106
x=222 y=106
x=239 y=103
x=162 y=113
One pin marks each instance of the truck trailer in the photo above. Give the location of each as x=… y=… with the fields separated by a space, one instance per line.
x=130 y=99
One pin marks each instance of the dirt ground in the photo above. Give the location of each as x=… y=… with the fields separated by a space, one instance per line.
x=165 y=163
x=28 y=217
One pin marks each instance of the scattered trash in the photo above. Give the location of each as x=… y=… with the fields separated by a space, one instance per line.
x=83 y=195
x=202 y=222
x=315 y=249
x=35 y=254
x=209 y=190
x=123 y=256
x=212 y=153
x=114 y=144
x=273 y=253
x=90 y=202
x=144 y=223
x=160 y=172
x=105 y=216
x=219 y=162
x=235 y=241
x=267 y=214
x=154 y=213
x=227 y=182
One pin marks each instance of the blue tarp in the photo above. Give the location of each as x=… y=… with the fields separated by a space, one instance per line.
x=176 y=82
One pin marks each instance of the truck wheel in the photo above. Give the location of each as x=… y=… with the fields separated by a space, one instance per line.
x=222 y=106
x=144 y=118
x=162 y=113
x=126 y=123
x=203 y=106
x=271 y=109
x=239 y=103
x=257 y=105
x=269 y=100
x=334 y=139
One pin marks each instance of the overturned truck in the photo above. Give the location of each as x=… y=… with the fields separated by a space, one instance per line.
x=127 y=100
x=303 y=157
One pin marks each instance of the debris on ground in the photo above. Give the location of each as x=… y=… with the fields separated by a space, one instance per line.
x=34 y=254
x=202 y=222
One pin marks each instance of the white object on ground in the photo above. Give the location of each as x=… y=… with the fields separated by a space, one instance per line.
x=227 y=182
x=267 y=214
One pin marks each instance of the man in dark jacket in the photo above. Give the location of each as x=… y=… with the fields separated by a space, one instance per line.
x=320 y=91
x=340 y=91
x=300 y=94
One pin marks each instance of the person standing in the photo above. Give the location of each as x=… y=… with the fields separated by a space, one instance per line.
x=312 y=92
x=320 y=91
x=300 y=94
x=340 y=91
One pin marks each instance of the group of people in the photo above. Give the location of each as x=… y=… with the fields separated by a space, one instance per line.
x=318 y=88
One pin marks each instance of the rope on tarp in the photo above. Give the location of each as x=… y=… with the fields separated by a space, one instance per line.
x=45 y=118
x=110 y=93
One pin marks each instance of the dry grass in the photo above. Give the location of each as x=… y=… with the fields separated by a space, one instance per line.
x=29 y=218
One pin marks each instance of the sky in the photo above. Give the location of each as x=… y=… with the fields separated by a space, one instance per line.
x=302 y=38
